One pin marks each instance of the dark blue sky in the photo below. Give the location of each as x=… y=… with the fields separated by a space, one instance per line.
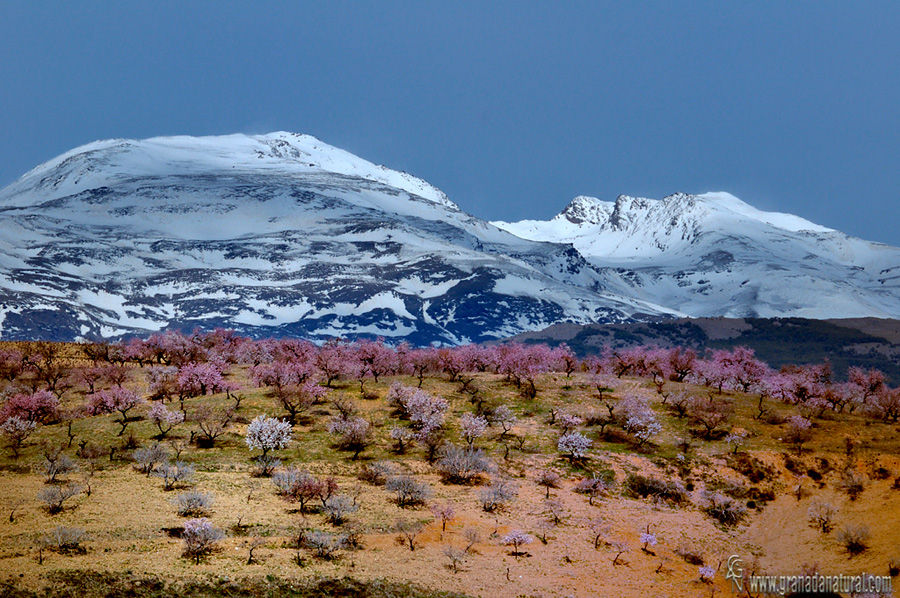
x=512 y=108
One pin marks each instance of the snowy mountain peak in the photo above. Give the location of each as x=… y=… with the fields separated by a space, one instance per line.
x=586 y=210
x=107 y=162
x=715 y=255
x=629 y=212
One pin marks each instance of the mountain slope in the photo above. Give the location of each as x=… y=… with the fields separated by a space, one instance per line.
x=714 y=255
x=271 y=235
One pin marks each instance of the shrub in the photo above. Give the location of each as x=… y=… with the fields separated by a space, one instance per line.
x=894 y=566
x=339 y=507
x=821 y=515
x=172 y=475
x=855 y=538
x=691 y=554
x=353 y=535
x=54 y=496
x=408 y=531
x=669 y=490
x=355 y=433
x=460 y=465
x=882 y=473
x=376 y=473
x=148 y=458
x=192 y=504
x=756 y=471
x=853 y=483
x=55 y=464
x=200 y=538
x=496 y=496
x=592 y=487
x=285 y=479
x=323 y=544
x=409 y=492
x=64 y=540
x=722 y=508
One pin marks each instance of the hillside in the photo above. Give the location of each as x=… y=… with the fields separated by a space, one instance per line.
x=628 y=515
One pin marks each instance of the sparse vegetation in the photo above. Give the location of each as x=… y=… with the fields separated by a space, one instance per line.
x=193 y=504
x=854 y=538
x=65 y=540
x=498 y=494
x=821 y=515
x=648 y=487
x=53 y=497
x=200 y=538
x=722 y=508
x=408 y=531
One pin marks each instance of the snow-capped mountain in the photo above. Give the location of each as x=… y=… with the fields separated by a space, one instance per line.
x=714 y=255
x=271 y=235
x=282 y=234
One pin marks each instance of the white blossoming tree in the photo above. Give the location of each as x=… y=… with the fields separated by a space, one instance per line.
x=268 y=434
x=574 y=445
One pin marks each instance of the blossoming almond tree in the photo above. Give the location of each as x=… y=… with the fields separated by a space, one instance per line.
x=268 y=434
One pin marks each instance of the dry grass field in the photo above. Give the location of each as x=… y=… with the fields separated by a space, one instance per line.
x=132 y=527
